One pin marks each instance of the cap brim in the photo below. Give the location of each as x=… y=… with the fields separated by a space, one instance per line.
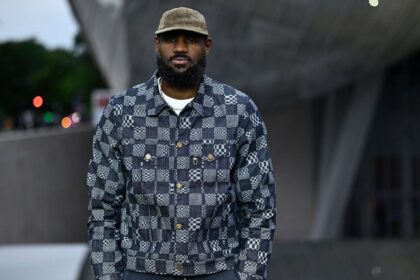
x=195 y=30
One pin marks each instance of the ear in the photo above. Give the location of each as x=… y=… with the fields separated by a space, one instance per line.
x=207 y=45
x=157 y=43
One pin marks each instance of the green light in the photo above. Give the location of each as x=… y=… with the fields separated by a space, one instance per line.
x=48 y=117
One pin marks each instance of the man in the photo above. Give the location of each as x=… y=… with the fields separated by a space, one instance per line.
x=180 y=181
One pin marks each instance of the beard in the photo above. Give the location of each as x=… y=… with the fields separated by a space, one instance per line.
x=189 y=78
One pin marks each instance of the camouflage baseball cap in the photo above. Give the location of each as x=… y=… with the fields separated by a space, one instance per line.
x=182 y=19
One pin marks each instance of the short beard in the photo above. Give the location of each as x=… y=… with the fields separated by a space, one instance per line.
x=188 y=79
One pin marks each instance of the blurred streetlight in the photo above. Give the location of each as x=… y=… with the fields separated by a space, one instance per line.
x=66 y=122
x=75 y=117
x=48 y=117
x=37 y=101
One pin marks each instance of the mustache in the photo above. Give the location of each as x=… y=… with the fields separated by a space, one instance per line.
x=180 y=56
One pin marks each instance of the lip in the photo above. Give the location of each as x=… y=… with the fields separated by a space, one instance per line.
x=180 y=61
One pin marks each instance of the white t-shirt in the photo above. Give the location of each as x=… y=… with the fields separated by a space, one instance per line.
x=176 y=104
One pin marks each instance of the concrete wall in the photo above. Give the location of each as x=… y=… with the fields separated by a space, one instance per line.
x=106 y=35
x=291 y=144
x=42 y=185
x=283 y=50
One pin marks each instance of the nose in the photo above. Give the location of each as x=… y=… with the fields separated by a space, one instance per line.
x=180 y=45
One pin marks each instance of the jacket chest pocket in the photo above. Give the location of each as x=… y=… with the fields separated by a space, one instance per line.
x=211 y=162
x=150 y=167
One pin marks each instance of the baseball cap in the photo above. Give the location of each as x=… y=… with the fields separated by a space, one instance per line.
x=182 y=18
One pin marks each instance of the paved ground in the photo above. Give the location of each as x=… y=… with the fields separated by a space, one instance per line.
x=42 y=262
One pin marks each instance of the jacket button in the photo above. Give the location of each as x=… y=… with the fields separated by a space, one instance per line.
x=179 y=186
x=178 y=226
x=178 y=267
x=179 y=144
x=195 y=160
x=147 y=157
x=210 y=157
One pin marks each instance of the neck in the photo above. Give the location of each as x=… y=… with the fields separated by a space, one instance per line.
x=179 y=93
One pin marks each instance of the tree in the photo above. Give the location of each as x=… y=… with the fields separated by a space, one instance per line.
x=61 y=77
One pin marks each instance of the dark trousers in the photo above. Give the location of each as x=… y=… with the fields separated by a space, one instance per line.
x=223 y=275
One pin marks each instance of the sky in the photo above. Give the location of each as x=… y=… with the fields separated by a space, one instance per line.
x=50 y=22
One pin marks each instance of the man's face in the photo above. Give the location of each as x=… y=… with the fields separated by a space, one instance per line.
x=181 y=57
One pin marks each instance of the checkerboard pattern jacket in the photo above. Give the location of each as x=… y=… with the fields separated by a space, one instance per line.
x=183 y=195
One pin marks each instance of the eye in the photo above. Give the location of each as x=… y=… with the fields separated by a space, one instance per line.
x=192 y=39
x=168 y=39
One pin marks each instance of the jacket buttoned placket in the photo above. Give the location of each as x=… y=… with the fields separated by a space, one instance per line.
x=180 y=146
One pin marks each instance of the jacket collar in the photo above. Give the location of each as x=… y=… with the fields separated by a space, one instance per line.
x=155 y=103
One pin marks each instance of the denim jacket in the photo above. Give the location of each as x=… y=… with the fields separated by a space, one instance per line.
x=181 y=195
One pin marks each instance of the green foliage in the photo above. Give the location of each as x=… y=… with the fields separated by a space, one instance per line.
x=61 y=77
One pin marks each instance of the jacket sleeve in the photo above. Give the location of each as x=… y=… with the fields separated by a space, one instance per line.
x=256 y=195
x=105 y=181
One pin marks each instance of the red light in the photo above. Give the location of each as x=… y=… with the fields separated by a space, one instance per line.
x=37 y=101
x=66 y=122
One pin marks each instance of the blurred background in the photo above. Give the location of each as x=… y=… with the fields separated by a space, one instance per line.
x=337 y=83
